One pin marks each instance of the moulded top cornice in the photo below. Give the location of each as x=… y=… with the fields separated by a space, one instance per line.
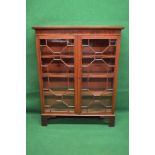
x=78 y=27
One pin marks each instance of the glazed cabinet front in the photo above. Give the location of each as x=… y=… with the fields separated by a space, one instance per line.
x=97 y=72
x=57 y=74
x=77 y=74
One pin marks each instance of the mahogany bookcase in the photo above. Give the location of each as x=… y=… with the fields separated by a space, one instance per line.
x=78 y=67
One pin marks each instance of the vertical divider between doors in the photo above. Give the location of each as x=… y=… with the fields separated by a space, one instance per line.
x=77 y=64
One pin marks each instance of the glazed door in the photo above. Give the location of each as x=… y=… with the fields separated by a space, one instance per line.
x=58 y=69
x=97 y=74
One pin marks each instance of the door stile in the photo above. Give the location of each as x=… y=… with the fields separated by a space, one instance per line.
x=79 y=71
x=115 y=75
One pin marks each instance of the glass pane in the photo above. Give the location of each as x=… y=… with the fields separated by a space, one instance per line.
x=98 y=61
x=57 y=57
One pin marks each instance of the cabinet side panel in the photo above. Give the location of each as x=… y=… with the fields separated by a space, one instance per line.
x=40 y=73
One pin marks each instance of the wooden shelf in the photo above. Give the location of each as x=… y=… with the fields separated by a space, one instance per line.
x=84 y=75
x=53 y=56
x=72 y=56
x=89 y=92
x=58 y=75
x=98 y=56
x=98 y=75
x=47 y=92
